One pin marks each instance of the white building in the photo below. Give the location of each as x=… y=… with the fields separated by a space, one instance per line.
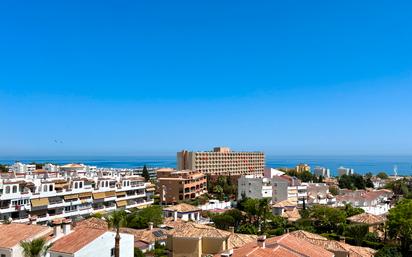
x=318 y=193
x=49 y=167
x=278 y=188
x=19 y=167
x=345 y=171
x=270 y=172
x=182 y=211
x=322 y=171
x=87 y=242
x=254 y=187
x=45 y=196
x=12 y=234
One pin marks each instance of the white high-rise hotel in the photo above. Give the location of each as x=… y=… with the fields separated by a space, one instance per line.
x=222 y=161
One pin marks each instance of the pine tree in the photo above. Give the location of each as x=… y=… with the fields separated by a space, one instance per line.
x=145 y=173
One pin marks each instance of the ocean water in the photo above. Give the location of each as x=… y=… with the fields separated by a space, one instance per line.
x=361 y=164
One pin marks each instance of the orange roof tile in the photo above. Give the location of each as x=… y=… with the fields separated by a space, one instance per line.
x=76 y=240
x=12 y=234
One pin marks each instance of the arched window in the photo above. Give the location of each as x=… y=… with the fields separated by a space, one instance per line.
x=75 y=185
x=80 y=184
x=107 y=183
x=45 y=188
x=14 y=189
x=7 y=190
x=50 y=187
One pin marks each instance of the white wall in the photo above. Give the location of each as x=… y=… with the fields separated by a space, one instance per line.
x=102 y=246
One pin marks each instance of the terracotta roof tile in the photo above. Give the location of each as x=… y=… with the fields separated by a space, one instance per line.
x=12 y=234
x=76 y=240
x=182 y=207
x=367 y=218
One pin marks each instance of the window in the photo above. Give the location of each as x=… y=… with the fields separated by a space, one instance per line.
x=75 y=185
x=80 y=184
x=51 y=188
x=45 y=188
x=2 y=255
x=112 y=252
x=14 y=189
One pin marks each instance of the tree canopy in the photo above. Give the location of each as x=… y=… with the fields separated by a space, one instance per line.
x=400 y=225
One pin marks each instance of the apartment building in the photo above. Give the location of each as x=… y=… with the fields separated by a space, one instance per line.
x=278 y=188
x=302 y=167
x=45 y=196
x=321 y=171
x=289 y=188
x=19 y=167
x=254 y=187
x=180 y=185
x=222 y=161
x=345 y=171
x=318 y=193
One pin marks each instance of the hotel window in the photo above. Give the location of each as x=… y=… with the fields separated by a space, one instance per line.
x=7 y=190
x=14 y=189
x=112 y=252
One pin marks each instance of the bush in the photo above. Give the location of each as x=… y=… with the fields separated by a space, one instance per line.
x=276 y=232
x=388 y=252
x=138 y=252
x=374 y=245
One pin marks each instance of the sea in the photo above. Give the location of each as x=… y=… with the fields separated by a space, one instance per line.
x=361 y=164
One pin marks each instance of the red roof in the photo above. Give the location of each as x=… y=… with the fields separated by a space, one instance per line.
x=286 y=246
x=76 y=240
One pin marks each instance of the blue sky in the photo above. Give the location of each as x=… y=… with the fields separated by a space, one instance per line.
x=155 y=77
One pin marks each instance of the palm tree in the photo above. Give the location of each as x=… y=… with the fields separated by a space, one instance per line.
x=263 y=211
x=35 y=248
x=117 y=220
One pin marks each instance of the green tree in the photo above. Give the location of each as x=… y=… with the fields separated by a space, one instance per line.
x=388 y=251
x=35 y=248
x=152 y=213
x=382 y=175
x=145 y=173
x=333 y=190
x=116 y=220
x=263 y=213
x=352 y=211
x=400 y=225
x=327 y=219
x=219 y=191
x=357 y=232
x=3 y=168
x=223 y=221
x=138 y=252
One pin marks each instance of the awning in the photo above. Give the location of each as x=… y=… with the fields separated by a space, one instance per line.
x=85 y=195
x=110 y=194
x=71 y=197
x=39 y=202
x=98 y=195
x=120 y=194
x=121 y=203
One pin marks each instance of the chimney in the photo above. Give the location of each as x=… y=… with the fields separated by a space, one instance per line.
x=227 y=253
x=261 y=241
x=57 y=228
x=342 y=239
x=33 y=220
x=67 y=224
x=232 y=229
x=150 y=225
